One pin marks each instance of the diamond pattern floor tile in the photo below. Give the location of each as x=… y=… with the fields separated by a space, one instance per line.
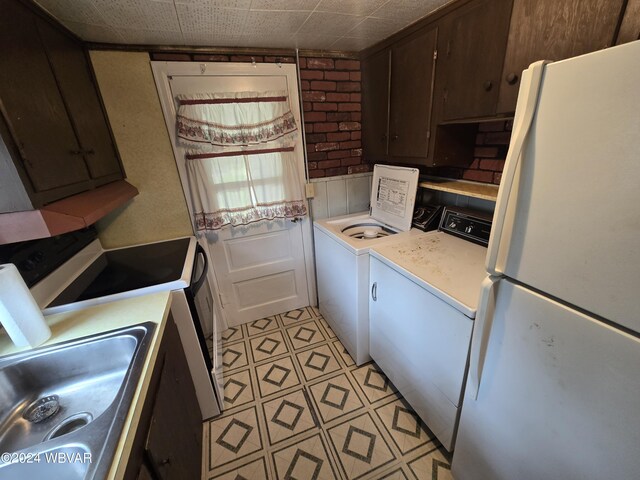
x=375 y=384
x=238 y=389
x=254 y=470
x=268 y=346
x=335 y=397
x=404 y=426
x=360 y=447
x=234 y=355
x=306 y=459
x=303 y=335
x=288 y=416
x=317 y=362
x=297 y=407
x=431 y=465
x=233 y=437
x=263 y=325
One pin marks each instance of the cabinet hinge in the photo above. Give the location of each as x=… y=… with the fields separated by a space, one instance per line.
x=435 y=54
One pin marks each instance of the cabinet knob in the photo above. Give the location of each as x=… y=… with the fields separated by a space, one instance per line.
x=394 y=137
x=383 y=138
x=488 y=85
x=75 y=152
x=512 y=79
x=166 y=461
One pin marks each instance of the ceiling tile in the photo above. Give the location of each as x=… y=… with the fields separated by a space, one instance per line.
x=352 y=44
x=302 y=5
x=273 y=23
x=354 y=7
x=73 y=11
x=274 y=41
x=376 y=28
x=315 y=42
x=331 y=24
x=197 y=18
x=139 y=14
x=407 y=10
x=94 y=33
x=150 y=37
x=237 y=4
x=210 y=39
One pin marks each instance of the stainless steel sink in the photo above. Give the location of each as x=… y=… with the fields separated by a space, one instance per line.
x=63 y=405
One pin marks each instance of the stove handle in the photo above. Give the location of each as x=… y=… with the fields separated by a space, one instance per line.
x=195 y=286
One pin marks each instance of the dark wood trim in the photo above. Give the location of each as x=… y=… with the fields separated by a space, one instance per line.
x=425 y=21
x=200 y=50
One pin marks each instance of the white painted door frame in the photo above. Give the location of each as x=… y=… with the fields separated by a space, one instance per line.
x=163 y=71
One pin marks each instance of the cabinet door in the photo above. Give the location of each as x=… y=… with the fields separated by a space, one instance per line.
x=33 y=107
x=421 y=343
x=174 y=440
x=553 y=30
x=375 y=108
x=476 y=39
x=71 y=70
x=630 y=25
x=412 y=75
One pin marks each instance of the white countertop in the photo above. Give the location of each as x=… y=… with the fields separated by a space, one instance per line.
x=449 y=267
x=102 y=318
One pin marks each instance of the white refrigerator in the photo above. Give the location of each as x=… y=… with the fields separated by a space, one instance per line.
x=553 y=389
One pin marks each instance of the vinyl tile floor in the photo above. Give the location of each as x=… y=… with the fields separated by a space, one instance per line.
x=297 y=407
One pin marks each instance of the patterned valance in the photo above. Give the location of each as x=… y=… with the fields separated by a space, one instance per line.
x=213 y=120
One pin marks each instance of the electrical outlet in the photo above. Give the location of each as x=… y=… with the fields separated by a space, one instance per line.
x=309 y=190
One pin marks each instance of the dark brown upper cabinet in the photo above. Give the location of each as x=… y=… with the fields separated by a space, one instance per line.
x=375 y=89
x=397 y=99
x=55 y=137
x=413 y=63
x=554 y=30
x=630 y=25
x=471 y=49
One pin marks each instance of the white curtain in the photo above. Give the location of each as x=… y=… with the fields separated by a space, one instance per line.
x=241 y=161
x=212 y=120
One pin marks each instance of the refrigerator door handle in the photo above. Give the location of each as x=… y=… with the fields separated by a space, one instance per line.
x=481 y=332
x=525 y=110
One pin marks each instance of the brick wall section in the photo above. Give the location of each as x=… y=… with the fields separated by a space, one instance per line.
x=492 y=143
x=332 y=105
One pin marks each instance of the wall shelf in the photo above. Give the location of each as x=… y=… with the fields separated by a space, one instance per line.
x=484 y=191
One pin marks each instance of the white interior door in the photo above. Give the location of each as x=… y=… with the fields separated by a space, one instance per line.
x=264 y=268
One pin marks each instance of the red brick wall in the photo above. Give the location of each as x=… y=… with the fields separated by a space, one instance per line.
x=332 y=110
x=492 y=142
x=332 y=106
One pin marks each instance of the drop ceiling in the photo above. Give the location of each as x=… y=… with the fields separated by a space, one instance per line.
x=346 y=25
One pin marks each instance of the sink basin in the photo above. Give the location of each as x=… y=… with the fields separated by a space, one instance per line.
x=67 y=403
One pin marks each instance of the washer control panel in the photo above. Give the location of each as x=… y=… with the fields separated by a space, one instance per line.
x=471 y=225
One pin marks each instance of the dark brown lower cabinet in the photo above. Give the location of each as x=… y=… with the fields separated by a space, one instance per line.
x=168 y=443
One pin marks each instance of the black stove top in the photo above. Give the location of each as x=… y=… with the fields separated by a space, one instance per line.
x=131 y=268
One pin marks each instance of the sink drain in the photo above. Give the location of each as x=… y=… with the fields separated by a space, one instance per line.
x=70 y=424
x=41 y=409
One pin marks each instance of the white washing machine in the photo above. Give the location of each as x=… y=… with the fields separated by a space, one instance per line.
x=342 y=254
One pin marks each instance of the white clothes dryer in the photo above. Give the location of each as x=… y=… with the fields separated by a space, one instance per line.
x=342 y=254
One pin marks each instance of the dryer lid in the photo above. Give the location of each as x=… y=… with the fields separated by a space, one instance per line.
x=393 y=195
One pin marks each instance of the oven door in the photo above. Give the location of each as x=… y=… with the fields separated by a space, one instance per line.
x=200 y=299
